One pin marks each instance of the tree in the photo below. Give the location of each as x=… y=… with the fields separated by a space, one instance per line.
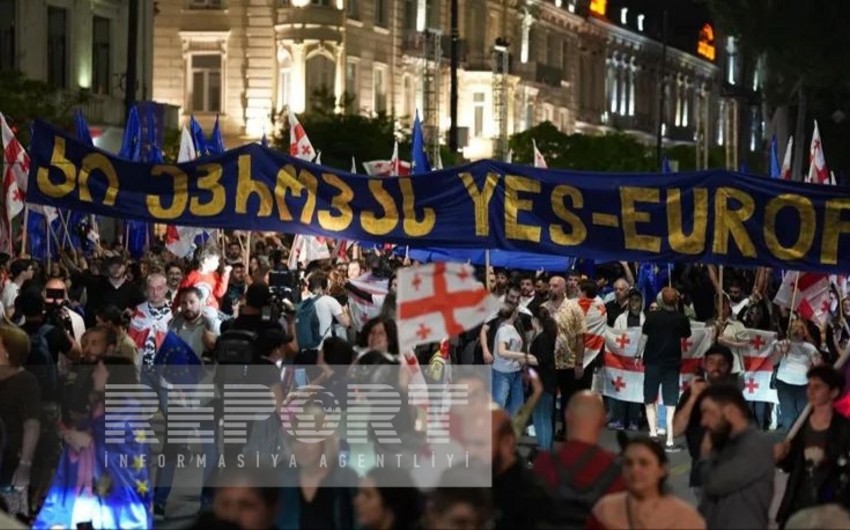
x=806 y=49
x=23 y=100
x=609 y=152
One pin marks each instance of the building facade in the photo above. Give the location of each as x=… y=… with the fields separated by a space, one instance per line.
x=78 y=45
x=570 y=62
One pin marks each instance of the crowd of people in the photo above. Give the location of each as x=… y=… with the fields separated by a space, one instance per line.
x=74 y=325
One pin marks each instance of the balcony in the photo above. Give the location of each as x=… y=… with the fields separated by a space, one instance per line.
x=309 y=16
x=539 y=73
x=413 y=44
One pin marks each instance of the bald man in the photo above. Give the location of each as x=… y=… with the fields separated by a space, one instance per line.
x=584 y=472
x=620 y=303
x=520 y=497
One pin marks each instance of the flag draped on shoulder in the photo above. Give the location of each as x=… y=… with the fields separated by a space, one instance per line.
x=439 y=300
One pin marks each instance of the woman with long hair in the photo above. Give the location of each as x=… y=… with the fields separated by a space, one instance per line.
x=646 y=502
x=379 y=334
x=794 y=358
x=543 y=351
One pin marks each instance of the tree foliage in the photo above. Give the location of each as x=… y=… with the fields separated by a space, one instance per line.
x=23 y=100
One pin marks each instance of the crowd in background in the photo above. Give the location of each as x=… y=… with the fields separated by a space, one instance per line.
x=73 y=325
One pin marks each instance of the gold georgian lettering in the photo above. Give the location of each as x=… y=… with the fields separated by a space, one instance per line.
x=341 y=203
x=57 y=160
x=629 y=197
x=694 y=243
x=288 y=184
x=578 y=232
x=380 y=226
x=731 y=222
x=246 y=186
x=180 y=196
x=211 y=182
x=412 y=226
x=833 y=226
x=514 y=185
x=481 y=200
x=806 y=235
x=98 y=162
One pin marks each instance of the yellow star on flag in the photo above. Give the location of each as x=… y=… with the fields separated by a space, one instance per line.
x=138 y=462
x=142 y=486
x=140 y=436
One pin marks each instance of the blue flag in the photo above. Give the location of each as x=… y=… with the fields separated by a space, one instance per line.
x=37 y=234
x=418 y=156
x=199 y=137
x=131 y=145
x=665 y=165
x=216 y=144
x=178 y=363
x=82 y=128
x=775 y=166
x=651 y=278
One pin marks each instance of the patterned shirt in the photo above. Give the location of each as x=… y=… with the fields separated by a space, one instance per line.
x=571 y=326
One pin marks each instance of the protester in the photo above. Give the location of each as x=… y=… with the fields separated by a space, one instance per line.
x=817 y=456
x=387 y=500
x=113 y=289
x=795 y=358
x=736 y=466
x=543 y=350
x=625 y=413
x=149 y=320
x=20 y=271
x=646 y=503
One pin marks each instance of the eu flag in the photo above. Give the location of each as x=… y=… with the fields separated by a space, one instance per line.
x=651 y=278
x=178 y=363
x=216 y=145
x=418 y=156
x=775 y=167
x=131 y=145
x=82 y=128
x=198 y=136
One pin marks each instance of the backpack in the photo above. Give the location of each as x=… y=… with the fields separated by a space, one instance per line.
x=235 y=346
x=574 y=504
x=307 y=331
x=41 y=364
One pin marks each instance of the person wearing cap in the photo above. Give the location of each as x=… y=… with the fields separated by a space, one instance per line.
x=660 y=351
x=112 y=289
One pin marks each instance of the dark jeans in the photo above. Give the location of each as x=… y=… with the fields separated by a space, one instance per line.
x=792 y=401
x=569 y=385
x=625 y=412
x=761 y=411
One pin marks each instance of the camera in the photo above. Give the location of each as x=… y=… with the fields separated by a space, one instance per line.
x=56 y=316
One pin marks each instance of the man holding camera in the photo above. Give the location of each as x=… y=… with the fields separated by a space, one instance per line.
x=59 y=313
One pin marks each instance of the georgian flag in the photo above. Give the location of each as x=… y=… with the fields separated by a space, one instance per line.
x=16 y=165
x=306 y=249
x=384 y=168
x=812 y=299
x=539 y=161
x=758 y=367
x=439 y=300
x=596 y=320
x=299 y=144
x=818 y=172
x=622 y=375
x=180 y=240
x=363 y=310
x=785 y=174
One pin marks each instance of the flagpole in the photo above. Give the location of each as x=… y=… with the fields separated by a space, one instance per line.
x=487 y=268
x=24 y=230
x=793 y=302
x=719 y=292
x=670 y=275
x=67 y=238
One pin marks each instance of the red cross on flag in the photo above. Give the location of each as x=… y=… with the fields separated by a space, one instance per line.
x=16 y=164
x=306 y=249
x=596 y=321
x=693 y=350
x=812 y=299
x=299 y=144
x=757 y=366
x=818 y=173
x=439 y=300
x=539 y=161
x=622 y=375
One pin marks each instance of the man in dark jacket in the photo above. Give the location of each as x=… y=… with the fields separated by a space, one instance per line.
x=520 y=499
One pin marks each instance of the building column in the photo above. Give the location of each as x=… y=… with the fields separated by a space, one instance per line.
x=527 y=20
x=339 y=78
x=298 y=81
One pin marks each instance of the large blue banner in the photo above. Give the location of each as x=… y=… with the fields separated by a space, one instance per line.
x=711 y=216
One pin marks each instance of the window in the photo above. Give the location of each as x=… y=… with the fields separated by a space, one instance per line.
x=205 y=4
x=731 y=61
x=432 y=14
x=565 y=56
x=549 y=113
x=205 y=79
x=352 y=83
x=475 y=28
x=320 y=74
x=478 y=99
x=409 y=95
x=563 y=120
x=529 y=115
x=410 y=7
x=100 y=67
x=353 y=9
x=7 y=35
x=379 y=88
x=57 y=46
x=381 y=13
x=284 y=82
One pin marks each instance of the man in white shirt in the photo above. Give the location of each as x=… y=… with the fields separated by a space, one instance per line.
x=328 y=309
x=19 y=271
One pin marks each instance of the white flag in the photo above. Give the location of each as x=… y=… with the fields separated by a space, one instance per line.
x=818 y=173
x=539 y=161
x=786 y=161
